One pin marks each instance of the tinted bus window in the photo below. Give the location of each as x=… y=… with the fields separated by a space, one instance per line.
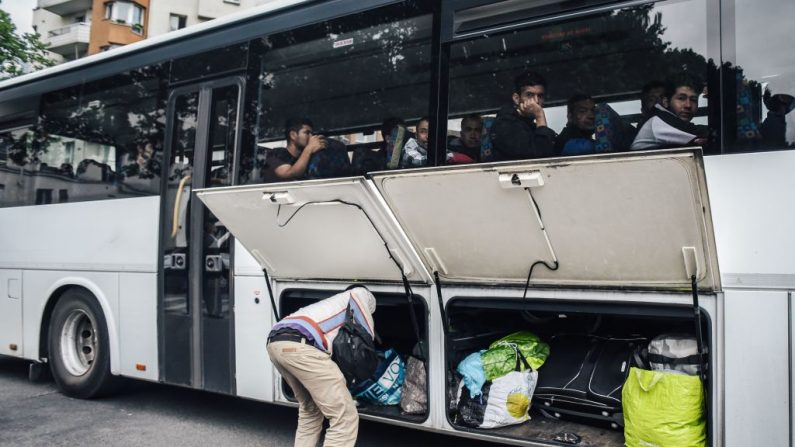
x=103 y=139
x=345 y=76
x=15 y=145
x=607 y=56
x=759 y=75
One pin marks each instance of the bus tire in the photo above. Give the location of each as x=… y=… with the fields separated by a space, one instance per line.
x=79 y=346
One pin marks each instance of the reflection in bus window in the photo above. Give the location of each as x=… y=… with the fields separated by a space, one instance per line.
x=345 y=76
x=610 y=55
x=15 y=145
x=759 y=77
x=100 y=140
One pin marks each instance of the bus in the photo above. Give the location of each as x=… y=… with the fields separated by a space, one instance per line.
x=137 y=227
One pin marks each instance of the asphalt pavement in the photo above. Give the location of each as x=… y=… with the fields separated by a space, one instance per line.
x=147 y=414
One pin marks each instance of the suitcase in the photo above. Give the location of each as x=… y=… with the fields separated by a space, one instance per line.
x=583 y=377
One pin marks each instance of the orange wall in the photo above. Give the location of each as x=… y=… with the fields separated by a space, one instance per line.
x=106 y=32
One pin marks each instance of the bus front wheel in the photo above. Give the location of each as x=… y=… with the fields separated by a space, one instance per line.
x=79 y=348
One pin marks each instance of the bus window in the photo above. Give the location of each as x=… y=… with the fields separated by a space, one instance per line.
x=100 y=140
x=345 y=76
x=759 y=76
x=15 y=145
x=607 y=55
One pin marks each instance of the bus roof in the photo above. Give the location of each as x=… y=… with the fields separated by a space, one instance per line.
x=153 y=42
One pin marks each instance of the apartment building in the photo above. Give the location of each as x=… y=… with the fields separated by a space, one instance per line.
x=76 y=28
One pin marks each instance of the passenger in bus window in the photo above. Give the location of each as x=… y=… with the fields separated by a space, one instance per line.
x=415 y=151
x=520 y=130
x=577 y=138
x=650 y=95
x=671 y=124
x=466 y=148
x=290 y=163
x=774 y=127
x=143 y=162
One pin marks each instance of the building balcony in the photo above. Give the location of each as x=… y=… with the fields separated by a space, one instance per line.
x=65 y=7
x=69 y=41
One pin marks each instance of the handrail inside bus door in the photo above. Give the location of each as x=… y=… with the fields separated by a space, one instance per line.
x=175 y=224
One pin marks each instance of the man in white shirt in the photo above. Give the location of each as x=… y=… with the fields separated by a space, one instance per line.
x=670 y=125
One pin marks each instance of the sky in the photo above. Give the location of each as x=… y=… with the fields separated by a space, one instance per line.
x=21 y=12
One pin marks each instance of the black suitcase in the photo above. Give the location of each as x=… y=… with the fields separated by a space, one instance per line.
x=583 y=377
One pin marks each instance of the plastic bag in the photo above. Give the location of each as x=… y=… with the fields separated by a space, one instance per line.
x=414 y=396
x=505 y=401
x=674 y=353
x=663 y=409
x=471 y=369
x=384 y=388
x=500 y=358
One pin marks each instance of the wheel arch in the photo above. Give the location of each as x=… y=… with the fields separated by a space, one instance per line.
x=54 y=294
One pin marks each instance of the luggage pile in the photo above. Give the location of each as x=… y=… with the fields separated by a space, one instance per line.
x=653 y=390
x=498 y=383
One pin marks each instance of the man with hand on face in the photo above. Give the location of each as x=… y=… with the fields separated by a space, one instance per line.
x=290 y=163
x=671 y=126
x=520 y=130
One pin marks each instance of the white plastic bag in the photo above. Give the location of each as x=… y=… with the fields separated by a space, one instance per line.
x=508 y=399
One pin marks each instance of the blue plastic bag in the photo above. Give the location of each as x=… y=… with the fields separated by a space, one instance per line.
x=471 y=369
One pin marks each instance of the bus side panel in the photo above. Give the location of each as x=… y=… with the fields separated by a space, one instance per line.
x=11 y=312
x=138 y=325
x=39 y=285
x=104 y=235
x=756 y=371
x=253 y=320
x=753 y=229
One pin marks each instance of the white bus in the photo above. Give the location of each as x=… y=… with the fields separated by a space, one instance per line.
x=122 y=176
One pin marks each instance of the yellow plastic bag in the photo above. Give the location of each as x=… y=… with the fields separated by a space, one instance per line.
x=663 y=409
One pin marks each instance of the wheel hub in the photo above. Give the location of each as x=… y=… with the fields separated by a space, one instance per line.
x=78 y=342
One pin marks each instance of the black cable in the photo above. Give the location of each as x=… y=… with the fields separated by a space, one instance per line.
x=270 y=293
x=553 y=267
x=697 y=322
x=406 y=284
x=445 y=323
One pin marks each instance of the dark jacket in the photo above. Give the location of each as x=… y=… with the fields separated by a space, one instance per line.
x=575 y=141
x=515 y=137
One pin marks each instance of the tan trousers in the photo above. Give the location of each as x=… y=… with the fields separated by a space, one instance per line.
x=320 y=389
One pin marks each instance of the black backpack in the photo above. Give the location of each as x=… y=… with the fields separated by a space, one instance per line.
x=353 y=350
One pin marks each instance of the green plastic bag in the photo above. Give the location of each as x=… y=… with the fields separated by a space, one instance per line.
x=663 y=409
x=500 y=358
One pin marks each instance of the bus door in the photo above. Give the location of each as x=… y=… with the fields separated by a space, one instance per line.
x=196 y=308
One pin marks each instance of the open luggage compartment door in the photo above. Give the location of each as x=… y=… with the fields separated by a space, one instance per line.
x=637 y=220
x=324 y=230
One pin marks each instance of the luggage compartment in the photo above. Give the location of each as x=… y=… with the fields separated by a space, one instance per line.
x=392 y=324
x=476 y=323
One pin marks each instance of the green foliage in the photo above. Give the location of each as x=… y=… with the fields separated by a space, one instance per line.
x=19 y=51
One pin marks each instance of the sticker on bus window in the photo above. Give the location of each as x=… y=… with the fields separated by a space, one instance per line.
x=343 y=42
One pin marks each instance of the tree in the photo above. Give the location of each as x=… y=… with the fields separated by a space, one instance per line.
x=18 y=52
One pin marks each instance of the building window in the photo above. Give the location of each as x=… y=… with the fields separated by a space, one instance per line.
x=109 y=47
x=125 y=13
x=176 y=22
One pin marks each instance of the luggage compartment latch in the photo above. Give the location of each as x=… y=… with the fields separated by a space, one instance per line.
x=280 y=198
x=530 y=179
